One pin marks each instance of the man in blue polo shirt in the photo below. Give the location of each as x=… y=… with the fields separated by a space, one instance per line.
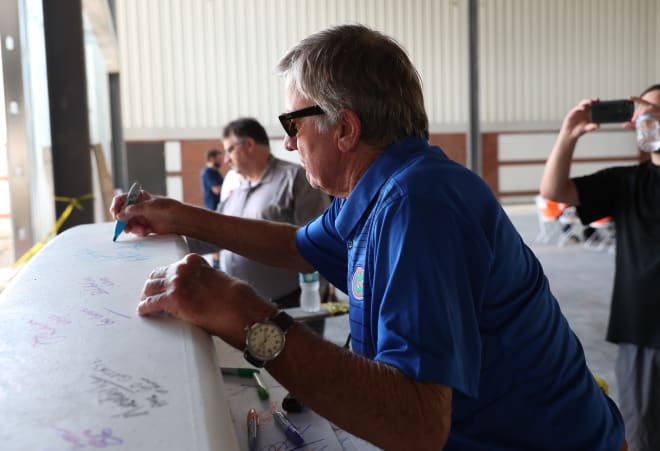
x=458 y=342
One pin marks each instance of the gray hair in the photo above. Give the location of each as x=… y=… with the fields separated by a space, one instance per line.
x=354 y=67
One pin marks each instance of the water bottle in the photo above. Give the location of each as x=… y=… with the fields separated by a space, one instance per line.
x=310 y=300
x=648 y=133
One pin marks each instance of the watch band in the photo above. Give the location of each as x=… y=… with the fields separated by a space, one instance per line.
x=282 y=320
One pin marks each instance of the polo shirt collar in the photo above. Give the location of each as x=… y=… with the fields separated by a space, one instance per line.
x=266 y=175
x=371 y=182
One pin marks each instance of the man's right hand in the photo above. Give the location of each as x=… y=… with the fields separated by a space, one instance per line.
x=556 y=183
x=149 y=215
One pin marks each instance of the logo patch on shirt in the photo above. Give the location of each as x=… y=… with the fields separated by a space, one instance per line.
x=357 y=284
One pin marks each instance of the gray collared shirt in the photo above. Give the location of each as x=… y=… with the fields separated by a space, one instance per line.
x=283 y=194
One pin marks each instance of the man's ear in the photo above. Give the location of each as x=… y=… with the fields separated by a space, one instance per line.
x=349 y=130
x=248 y=142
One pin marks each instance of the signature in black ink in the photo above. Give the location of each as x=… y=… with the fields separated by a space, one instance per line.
x=132 y=396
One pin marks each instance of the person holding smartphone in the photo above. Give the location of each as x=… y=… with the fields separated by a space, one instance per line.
x=631 y=196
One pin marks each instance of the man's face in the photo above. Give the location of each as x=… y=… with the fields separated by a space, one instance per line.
x=317 y=151
x=235 y=153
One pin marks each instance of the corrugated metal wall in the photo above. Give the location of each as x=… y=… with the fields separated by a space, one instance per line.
x=539 y=57
x=188 y=66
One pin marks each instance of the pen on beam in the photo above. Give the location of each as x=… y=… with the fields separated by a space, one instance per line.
x=252 y=427
x=289 y=429
x=240 y=372
x=262 y=391
x=131 y=198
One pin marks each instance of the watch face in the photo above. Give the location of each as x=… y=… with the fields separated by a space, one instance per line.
x=265 y=340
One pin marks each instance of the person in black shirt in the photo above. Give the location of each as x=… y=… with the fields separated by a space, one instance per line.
x=631 y=196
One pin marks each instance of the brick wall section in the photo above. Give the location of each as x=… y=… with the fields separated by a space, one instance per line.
x=193 y=159
x=453 y=144
x=489 y=163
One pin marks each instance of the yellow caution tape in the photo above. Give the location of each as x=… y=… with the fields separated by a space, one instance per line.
x=74 y=202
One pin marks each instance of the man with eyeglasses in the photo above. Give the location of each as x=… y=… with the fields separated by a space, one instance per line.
x=271 y=189
x=457 y=341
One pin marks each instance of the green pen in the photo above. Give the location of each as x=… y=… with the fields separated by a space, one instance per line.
x=240 y=372
x=262 y=391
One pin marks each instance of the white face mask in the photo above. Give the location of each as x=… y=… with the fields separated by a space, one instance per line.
x=648 y=133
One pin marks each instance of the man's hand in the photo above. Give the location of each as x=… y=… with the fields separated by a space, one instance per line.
x=193 y=291
x=577 y=122
x=148 y=215
x=643 y=107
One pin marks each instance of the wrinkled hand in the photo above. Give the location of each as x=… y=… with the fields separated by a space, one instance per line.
x=148 y=215
x=577 y=122
x=643 y=107
x=193 y=291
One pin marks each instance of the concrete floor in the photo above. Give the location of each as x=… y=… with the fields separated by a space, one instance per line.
x=580 y=278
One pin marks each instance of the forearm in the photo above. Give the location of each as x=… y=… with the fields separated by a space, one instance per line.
x=267 y=242
x=556 y=183
x=372 y=400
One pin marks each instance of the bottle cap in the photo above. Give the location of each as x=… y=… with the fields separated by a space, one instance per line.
x=309 y=277
x=648 y=133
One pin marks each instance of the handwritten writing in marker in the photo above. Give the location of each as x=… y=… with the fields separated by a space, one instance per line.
x=99 y=318
x=103 y=439
x=125 y=255
x=46 y=331
x=118 y=314
x=97 y=286
x=129 y=396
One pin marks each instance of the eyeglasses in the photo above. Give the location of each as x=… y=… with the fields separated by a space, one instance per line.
x=233 y=147
x=288 y=119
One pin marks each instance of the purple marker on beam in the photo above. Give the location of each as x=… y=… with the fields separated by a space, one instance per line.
x=289 y=429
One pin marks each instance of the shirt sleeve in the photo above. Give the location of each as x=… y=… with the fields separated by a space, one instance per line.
x=211 y=179
x=597 y=194
x=320 y=244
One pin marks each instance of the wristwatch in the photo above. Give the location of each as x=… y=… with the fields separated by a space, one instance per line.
x=265 y=340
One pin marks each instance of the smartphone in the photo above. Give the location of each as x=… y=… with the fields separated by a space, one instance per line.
x=609 y=111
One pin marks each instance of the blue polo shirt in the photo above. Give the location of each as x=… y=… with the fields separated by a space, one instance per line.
x=442 y=287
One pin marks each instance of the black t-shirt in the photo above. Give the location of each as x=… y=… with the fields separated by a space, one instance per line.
x=631 y=195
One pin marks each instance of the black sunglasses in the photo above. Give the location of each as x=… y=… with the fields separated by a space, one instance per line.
x=288 y=122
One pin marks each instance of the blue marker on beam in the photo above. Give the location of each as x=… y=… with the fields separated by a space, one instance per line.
x=131 y=198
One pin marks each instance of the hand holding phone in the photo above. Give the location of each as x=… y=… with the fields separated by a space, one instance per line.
x=611 y=111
